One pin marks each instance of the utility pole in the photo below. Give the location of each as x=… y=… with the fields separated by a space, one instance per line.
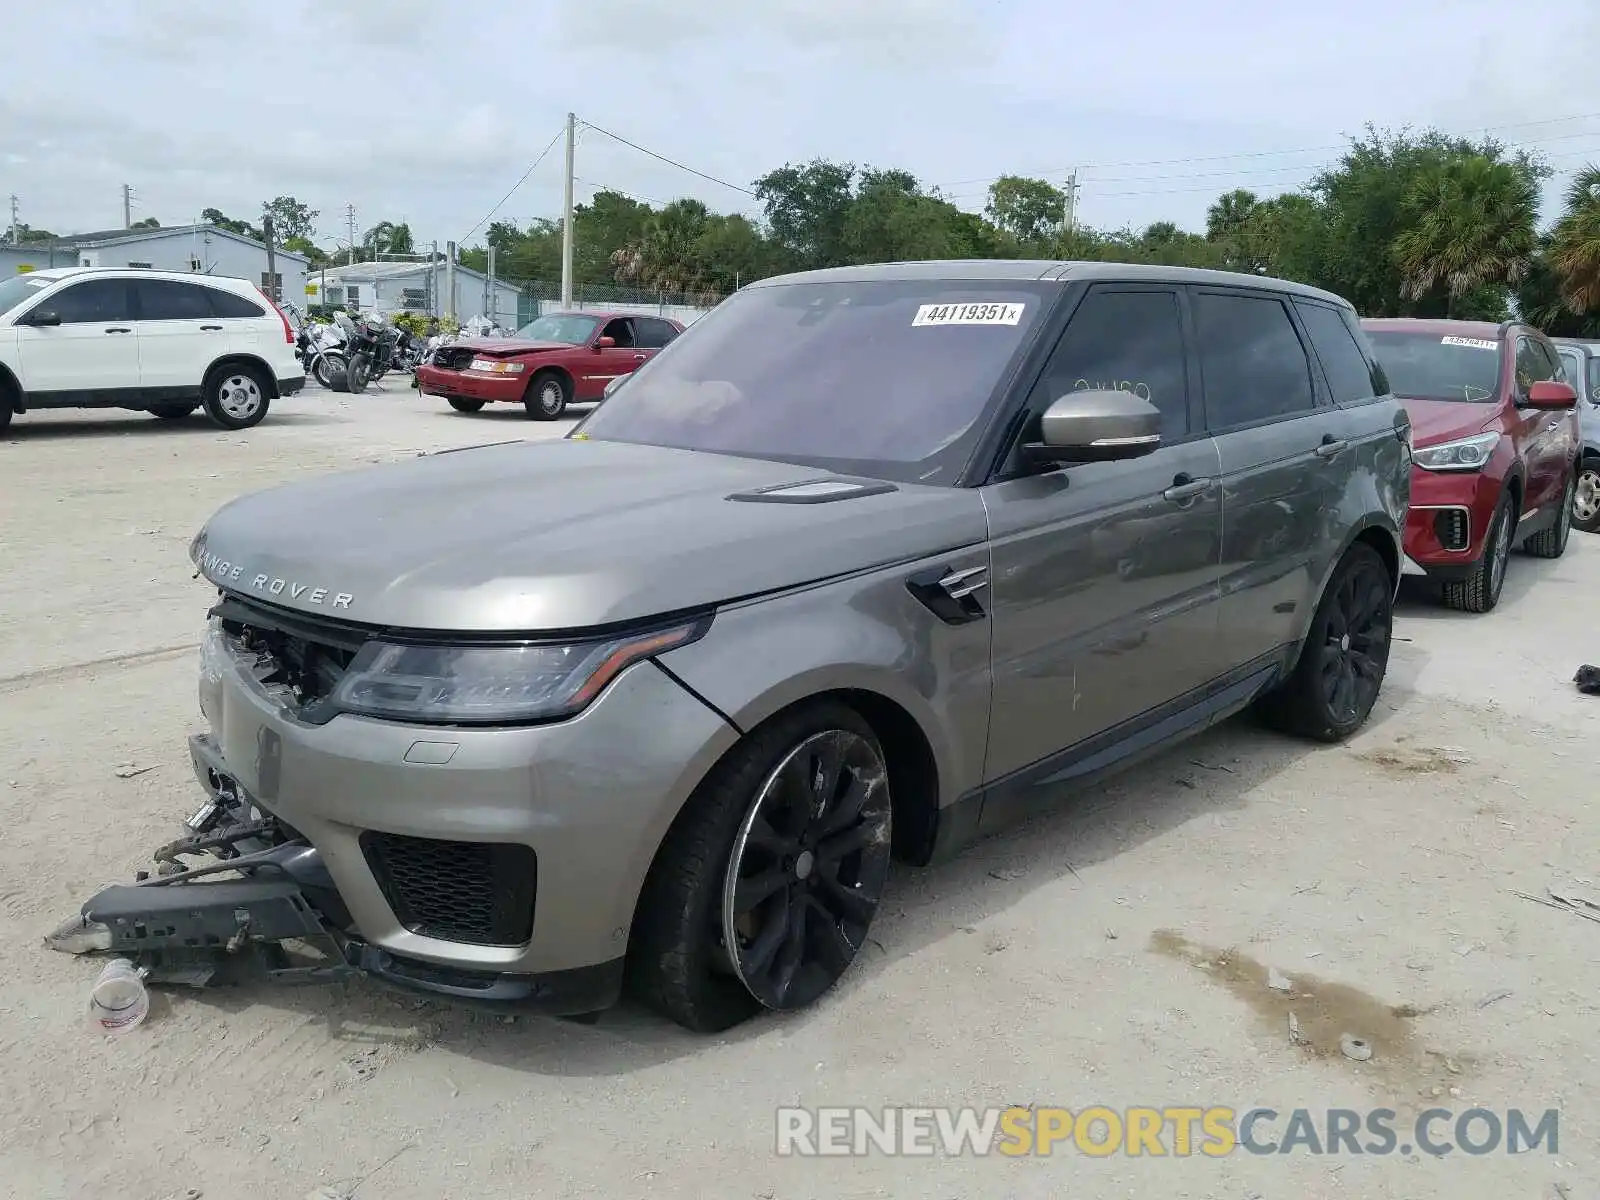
x=14 y=212
x=1070 y=214
x=566 y=213
x=350 y=219
x=434 y=307
x=272 y=290
x=450 y=280
x=490 y=297
x=127 y=207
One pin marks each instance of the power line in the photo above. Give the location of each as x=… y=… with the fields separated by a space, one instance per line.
x=606 y=187
x=462 y=240
x=671 y=162
x=1258 y=154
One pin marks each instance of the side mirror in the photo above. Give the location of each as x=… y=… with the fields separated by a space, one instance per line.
x=1098 y=426
x=44 y=317
x=1552 y=393
x=605 y=343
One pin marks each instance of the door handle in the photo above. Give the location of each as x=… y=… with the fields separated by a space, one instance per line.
x=212 y=328
x=1186 y=487
x=119 y=329
x=1331 y=446
x=640 y=357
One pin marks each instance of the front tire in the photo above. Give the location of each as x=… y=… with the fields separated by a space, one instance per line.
x=1552 y=542
x=1586 y=497
x=1480 y=591
x=357 y=374
x=763 y=890
x=465 y=406
x=236 y=397
x=323 y=368
x=548 y=396
x=1345 y=656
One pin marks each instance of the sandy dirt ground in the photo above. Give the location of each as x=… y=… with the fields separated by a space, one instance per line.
x=1113 y=953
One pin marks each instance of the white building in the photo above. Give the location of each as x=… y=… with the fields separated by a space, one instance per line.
x=203 y=249
x=413 y=287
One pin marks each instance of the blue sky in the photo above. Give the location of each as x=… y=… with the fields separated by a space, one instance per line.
x=386 y=105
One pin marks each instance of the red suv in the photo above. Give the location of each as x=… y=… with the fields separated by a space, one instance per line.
x=1494 y=429
x=555 y=360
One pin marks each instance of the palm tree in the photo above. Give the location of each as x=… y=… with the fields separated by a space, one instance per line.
x=1229 y=213
x=1468 y=223
x=1575 y=246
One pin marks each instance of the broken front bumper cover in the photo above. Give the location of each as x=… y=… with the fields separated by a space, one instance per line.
x=262 y=889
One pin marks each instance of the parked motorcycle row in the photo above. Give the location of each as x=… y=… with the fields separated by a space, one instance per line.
x=349 y=353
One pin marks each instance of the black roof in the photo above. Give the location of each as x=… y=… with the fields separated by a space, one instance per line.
x=1007 y=269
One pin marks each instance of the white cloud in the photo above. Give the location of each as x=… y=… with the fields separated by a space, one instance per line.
x=408 y=113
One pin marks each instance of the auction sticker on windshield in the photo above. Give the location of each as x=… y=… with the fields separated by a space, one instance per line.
x=968 y=314
x=1475 y=343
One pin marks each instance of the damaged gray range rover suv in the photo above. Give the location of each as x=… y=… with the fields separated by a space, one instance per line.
x=868 y=563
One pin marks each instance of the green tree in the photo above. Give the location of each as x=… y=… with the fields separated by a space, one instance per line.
x=1574 y=249
x=291 y=219
x=1030 y=210
x=1468 y=231
x=806 y=208
x=1368 y=202
x=147 y=223
x=216 y=217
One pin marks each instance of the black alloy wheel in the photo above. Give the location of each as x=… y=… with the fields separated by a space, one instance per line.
x=808 y=869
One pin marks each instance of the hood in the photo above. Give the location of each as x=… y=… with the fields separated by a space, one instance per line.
x=1435 y=421
x=500 y=347
x=563 y=535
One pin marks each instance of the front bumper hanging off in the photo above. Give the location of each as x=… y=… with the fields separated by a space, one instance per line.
x=260 y=889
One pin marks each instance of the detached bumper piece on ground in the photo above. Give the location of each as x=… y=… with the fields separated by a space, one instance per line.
x=259 y=905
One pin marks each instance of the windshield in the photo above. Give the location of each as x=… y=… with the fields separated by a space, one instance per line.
x=559 y=327
x=882 y=378
x=18 y=288
x=1433 y=366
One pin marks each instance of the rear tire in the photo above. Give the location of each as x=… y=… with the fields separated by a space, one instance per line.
x=547 y=396
x=236 y=397
x=1345 y=656
x=172 y=412
x=678 y=957
x=1480 y=591
x=465 y=406
x=1586 y=497
x=1552 y=542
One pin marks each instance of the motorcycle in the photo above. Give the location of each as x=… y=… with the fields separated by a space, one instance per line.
x=368 y=353
x=321 y=348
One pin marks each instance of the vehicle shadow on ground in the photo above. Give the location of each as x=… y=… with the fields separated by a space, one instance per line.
x=29 y=428
x=1213 y=773
x=500 y=413
x=1419 y=599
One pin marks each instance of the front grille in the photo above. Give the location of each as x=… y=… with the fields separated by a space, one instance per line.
x=475 y=892
x=291 y=651
x=452 y=358
x=1452 y=527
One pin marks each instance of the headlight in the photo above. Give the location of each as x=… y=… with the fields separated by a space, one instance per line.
x=494 y=685
x=497 y=366
x=1464 y=454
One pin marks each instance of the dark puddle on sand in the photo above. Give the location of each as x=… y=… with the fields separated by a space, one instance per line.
x=1323 y=1013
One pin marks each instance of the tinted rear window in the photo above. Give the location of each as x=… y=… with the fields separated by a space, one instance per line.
x=1434 y=366
x=1344 y=364
x=226 y=304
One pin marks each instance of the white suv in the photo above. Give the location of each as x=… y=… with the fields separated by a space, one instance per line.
x=152 y=341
